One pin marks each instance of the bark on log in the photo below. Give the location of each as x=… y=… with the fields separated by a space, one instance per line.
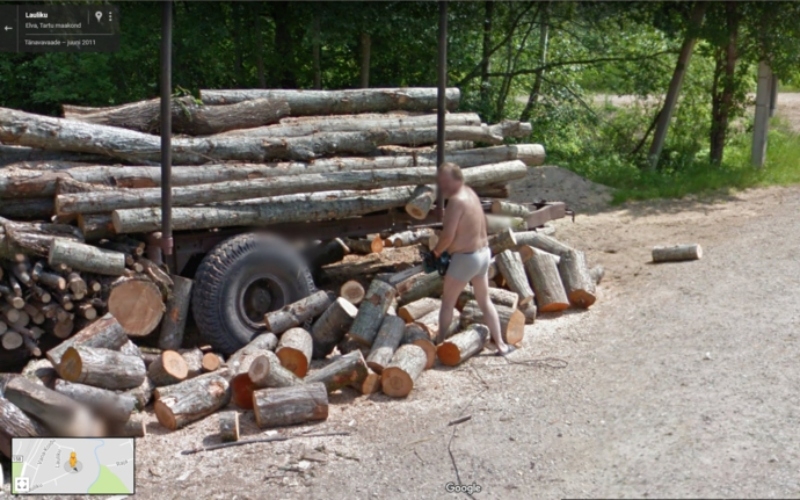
x=329 y=329
x=192 y=400
x=498 y=296
x=530 y=311
x=169 y=368
x=421 y=202
x=104 y=403
x=174 y=323
x=297 y=313
x=408 y=238
x=371 y=312
x=266 y=370
x=40 y=371
x=677 y=253
x=370 y=385
x=28 y=209
x=365 y=246
x=137 y=304
x=142 y=394
x=352 y=292
x=408 y=362
x=106 y=332
x=15 y=423
x=463 y=345
x=510 y=266
x=419 y=286
x=419 y=308
x=388 y=339
x=265 y=341
x=242 y=386
x=340 y=102
x=60 y=414
x=430 y=323
x=415 y=334
x=502 y=207
x=543 y=274
x=33 y=239
x=297 y=404
x=194 y=361
x=295 y=348
x=504 y=240
x=135 y=427
x=86 y=258
x=498 y=223
x=228 y=426
x=349 y=369
x=578 y=283
x=597 y=273
x=543 y=242
x=527 y=251
x=348 y=345
x=102 y=368
x=512 y=321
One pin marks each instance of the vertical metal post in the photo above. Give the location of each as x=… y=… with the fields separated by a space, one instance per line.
x=441 y=99
x=761 y=123
x=166 y=127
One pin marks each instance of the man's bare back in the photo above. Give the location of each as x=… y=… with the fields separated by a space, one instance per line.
x=464 y=208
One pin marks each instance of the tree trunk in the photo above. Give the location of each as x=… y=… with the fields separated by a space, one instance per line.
x=106 y=333
x=332 y=325
x=676 y=253
x=512 y=321
x=174 y=323
x=543 y=274
x=137 y=304
x=386 y=343
x=169 y=368
x=294 y=350
x=544 y=38
x=417 y=335
x=28 y=209
x=290 y=405
x=297 y=313
x=371 y=312
x=353 y=292
x=419 y=286
x=408 y=362
x=463 y=346
x=228 y=426
x=498 y=296
x=192 y=400
x=576 y=278
x=116 y=407
x=366 y=49
x=510 y=265
x=284 y=45
x=488 y=14
x=102 y=368
x=419 y=308
x=349 y=369
x=722 y=100
x=266 y=370
x=315 y=51
x=15 y=423
x=60 y=414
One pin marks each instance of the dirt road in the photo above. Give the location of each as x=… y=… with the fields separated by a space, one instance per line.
x=680 y=382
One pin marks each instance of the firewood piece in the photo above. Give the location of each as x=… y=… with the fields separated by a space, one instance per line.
x=62 y=415
x=430 y=323
x=408 y=362
x=29 y=339
x=36 y=316
x=264 y=341
x=421 y=202
x=101 y=368
x=11 y=314
x=504 y=240
x=353 y=292
x=578 y=283
x=503 y=207
x=192 y=400
x=295 y=348
x=242 y=386
x=292 y=405
x=498 y=296
x=228 y=426
x=529 y=310
x=543 y=274
x=527 y=251
x=62 y=329
x=169 y=368
x=421 y=285
x=419 y=308
x=463 y=345
x=297 y=313
x=408 y=238
x=543 y=242
x=48 y=279
x=11 y=340
x=371 y=312
x=498 y=223
x=597 y=273
x=194 y=361
x=512 y=321
x=106 y=332
x=41 y=294
x=331 y=326
x=369 y=385
x=105 y=403
x=15 y=423
x=95 y=287
x=86 y=258
x=211 y=362
x=134 y=427
x=415 y=334
x=510 y=266
x=64 y=300
x=266 y=370
x=87 y=311
x=76 y=284
x=349 y=369
x=142 y=394
x=677 y=253
x=386 y=343
x=35 y=239
x=365 y=246
x=137 y=304
x=174 y=323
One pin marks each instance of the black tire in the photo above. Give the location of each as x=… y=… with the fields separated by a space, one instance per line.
x=241 y=279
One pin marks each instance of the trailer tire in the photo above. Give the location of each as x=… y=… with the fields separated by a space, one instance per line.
x=241 y=279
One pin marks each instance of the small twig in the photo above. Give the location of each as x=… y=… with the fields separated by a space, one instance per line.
x=272 y=439
x=459 y=420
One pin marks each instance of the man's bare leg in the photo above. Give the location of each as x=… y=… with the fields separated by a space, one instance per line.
x=452 y=289
x=480 y=287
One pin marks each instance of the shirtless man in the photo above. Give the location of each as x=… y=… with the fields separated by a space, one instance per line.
x=464 y=237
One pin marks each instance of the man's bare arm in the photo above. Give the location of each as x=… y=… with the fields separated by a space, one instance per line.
x=455 y=209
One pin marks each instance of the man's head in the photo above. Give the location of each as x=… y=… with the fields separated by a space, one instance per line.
x=450 y=179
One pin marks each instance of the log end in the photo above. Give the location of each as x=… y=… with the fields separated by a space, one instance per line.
x=174 y=364
x=582 y=299
x=211 y=362
x=293 y=360
x=137 y=305
x=396 y=383
x=448 y=354
x=242 y=388
x=352 y=292
x=515 y=331
x=165 y=416
x=377 y=245
x=71 y=365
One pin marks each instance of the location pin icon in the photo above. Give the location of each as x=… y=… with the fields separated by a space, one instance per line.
x=98 y=15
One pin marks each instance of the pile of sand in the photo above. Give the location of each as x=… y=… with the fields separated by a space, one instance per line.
x=551 y=183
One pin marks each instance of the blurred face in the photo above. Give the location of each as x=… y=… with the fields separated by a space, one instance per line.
x=448 y=184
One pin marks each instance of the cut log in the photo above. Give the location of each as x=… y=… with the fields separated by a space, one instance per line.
x=543 y=274
x=370 y=385
x=295 y=348
x=32 y=238
x=463 y=345
x=430 y=323
x=502 y=207
x=169 y=368
x=421 y=202
x=101 y=367
x=265 y=341
x=137 y=304
x=578 y=283
x=510 y=266
x=597 y=273
x=135 y=428
x=365 y=246
x=529 y=311
x=297 y=404
x=408 y=238
x=371 y=312
x=15 y=423
x=415 y=334
x=106 y=332
x=353 y=292
x=419 y=286
x=329 y=329
x=104 y=403
x=174 y=323
x=498 y=223
x=95 y=226
x=504 y=240
x=12 y=340
x=76 y=284
x=419 y=308
x=211 y=362
x=527 y=251
x=192 y=400
x=388 y=339
x=194 y=361
x=542 y=242
x=408 y=362
x=677 y=253
x=348 y=345
x=228 y=426
x=242 y=386
x=297 y=313
x=142 y=394
x=512 y=321
x=349 y=369
x=61 y=415
x=266 y=370
x=498 y=296
x=86 y=258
